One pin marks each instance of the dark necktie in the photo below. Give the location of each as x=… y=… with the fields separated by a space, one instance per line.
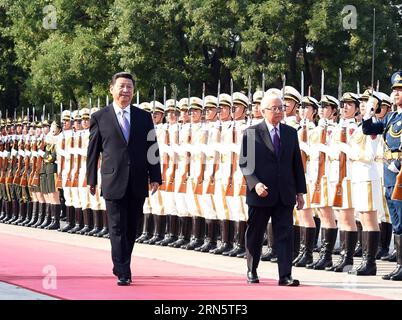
x=124 y=125
x=277 y=142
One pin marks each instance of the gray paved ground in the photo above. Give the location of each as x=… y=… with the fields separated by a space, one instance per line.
x=372 y=285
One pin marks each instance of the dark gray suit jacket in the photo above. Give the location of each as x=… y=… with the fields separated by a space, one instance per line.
x=121 y=162
x=284 y=176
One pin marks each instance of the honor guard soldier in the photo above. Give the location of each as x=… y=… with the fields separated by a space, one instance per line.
x=222 y=176
x=308 y=113
x=158 y=211
x=49 y=176
x=391 y=128
x=209 y=161
x=63 y=149
x=169 y=168
x=237 y=199
x=257 y=116
x=148 y=223
x=25 y=175
x=181 y=175
x=320 y=177
x=4 y=148
x=98 y=205
x=292 y=101
x=192 y=147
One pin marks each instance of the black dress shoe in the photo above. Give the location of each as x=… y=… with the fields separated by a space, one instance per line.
x=124 y=281
x=252 y=277
x=289 y=282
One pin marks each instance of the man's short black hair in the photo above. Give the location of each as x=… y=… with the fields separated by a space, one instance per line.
x=122 y=75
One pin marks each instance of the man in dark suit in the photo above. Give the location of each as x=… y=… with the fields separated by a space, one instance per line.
x=125 y=136
x=271 y=163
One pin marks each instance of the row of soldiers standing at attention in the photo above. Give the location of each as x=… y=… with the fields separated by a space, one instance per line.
x=43 y=175
x=202 y=198
x=203 y=192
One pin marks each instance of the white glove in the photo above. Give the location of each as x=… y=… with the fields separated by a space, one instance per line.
x=13 y=152
x=304 y=147
x=303 y=122
x=21 y=153
x=323 y=123
x=392 y=167
x=28 y=153
x=369 y=109
x=41 y=153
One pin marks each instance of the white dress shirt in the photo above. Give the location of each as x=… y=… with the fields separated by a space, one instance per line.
x=272 y=131
x=118 y=110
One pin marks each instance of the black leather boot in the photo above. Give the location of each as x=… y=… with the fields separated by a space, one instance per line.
x=270 y=254
x=97 y=223
x=345 y=263
x=2 y=212
x=28 y=217
x=34 y=217
x=22 y=214
x=41 y=214
x=317 y=222
x=48 y=217
x=325 y=257
x=88 y=221
x=198 y=234
x=239 y=250
x=359 y=248
x=210 y=239
x=147 y=228
x=56 y=210
x=226 y=241
x=386 y=235
x=159 y=229
x=172 y=228
x=63 y=215
x=14 y=210
x=341 y=247
x=368 y=266
x=308 y=247
x=396 y=274
x=70 y=219
x=105 y=229
x=185 y=233
x=78 y=221
x=341 y=252
x=302 y=245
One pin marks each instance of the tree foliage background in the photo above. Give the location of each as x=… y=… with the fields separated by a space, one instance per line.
x=165 y=42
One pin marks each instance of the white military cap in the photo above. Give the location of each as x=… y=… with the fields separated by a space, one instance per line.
x=66 y=116
x=211 y=102
x=225 y=99
x=76 y=115
x=145 y=106
x=94 y=109
x=171 y=105
x=310 y=101
x=258 y=95
x=85 y=113
x=195 y=103
x=386 y=99
x=293 y=94
x=327 y=99
x=350 y=97
x=156 y=106
x=240 y=98
x=183 y=104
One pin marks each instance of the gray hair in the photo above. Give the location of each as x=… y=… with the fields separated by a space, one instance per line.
x=270 y=94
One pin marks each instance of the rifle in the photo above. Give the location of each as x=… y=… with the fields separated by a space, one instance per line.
x=200 y=179
x=1 y=159
x=24 y=176
x=34 y=148
x=69 y=182
x=304 y=126
x=75 y=182
x=10 y=176
x=211 y=181
x=316 y=199
x=59 y=182
x=338 y=197
x=17 y=175
x=183 y=181
x=233 y=164
x=170 y=183
x=165 y=160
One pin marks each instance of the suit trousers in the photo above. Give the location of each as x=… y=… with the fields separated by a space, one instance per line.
x=123 y=216
x=282 y=224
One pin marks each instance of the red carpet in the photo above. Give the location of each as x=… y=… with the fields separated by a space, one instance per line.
x=84 y=273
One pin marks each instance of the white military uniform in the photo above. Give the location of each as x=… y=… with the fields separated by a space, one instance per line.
x=75 y=191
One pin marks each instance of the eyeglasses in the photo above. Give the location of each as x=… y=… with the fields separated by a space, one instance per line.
x=276 y=109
